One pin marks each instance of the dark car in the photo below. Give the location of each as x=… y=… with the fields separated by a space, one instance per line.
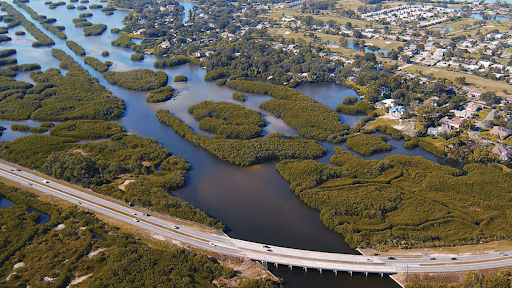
x=391 y=258
x=269 y=250
x=433 y=258
x=266 y=246
x=453 y=259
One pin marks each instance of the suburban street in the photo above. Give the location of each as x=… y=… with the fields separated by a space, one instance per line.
x=265 y=253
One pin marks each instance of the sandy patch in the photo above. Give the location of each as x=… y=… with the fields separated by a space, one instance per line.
x=60 y=227
x=78 y=280
x=18 y=265
x=126 y=182
x=48 y=279
x=94 y=253
x=9 y=276
x=80 y=151
x=158 y=237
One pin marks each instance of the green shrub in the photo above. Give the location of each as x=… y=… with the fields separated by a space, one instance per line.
x=105 y=54
x=96 y=64
x=161 y=94
x=366 y=144
x=87 y=129
x=20 y=127
x=215 y=74
x=137 y=57
x=42 y=38
x=228 y=120
x=7 y=53
x=70 y=6
x=239 y=96
x=85 y=15
x=221 y=82
x=7 y=61
x=19 y=33
x=81 y=7
x=310 y=118
x=246 y=152
x=350 y=100
x=75 y=47
x=138 y=79
x=361 y=107
x=174 y=61
x=180 y=78
x=95 y=29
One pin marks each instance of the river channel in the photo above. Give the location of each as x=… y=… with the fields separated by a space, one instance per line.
x=254 y=203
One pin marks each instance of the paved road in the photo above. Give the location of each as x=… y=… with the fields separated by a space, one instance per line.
x=223 y=244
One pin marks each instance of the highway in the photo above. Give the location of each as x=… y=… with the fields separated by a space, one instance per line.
x=266 y=254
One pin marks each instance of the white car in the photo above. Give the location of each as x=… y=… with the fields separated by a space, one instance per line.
x=175 y=227
x=212 y=244
x=133 y=213
x=135 y=219
x=46 y=181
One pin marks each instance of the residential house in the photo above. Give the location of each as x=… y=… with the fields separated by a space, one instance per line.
x=499 y=131
x=436 y=131
x=503 y=152
x=475 y=93
x=454 y=122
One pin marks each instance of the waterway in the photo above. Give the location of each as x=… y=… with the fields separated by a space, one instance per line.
x=43 y=218
x=254 y=203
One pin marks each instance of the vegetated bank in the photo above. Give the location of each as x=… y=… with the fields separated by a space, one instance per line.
x=161 y=94
x=404 y=201
x=75 y=47
x=313 y=120
x=69 y=248
x=124 y=167
x=368 y=144
x=44 y=21
x=57 y=97
x=87 y=129
x=41 y=37
x=96 y=64
x=138 y=79
x=246 y=152
x=228 y=120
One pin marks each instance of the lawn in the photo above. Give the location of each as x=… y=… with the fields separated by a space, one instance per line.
x=478 y=82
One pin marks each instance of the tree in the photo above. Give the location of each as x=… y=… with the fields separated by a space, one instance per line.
x=460 y=80
x=490 y=98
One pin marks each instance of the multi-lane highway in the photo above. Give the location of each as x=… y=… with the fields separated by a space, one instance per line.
x=266 y=253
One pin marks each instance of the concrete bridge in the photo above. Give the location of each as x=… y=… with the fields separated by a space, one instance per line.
x=218 y=242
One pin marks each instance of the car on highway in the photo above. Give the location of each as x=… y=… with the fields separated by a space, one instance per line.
x=145 y=214
x=135 y=219
x=504 y=254
x=266 y=246
x=212 y=244
x=368 y=260
x=18 y=170
x=453 y=258
x=133 y=213
x=175 y=227
x=433 y=258
x=46 y=181
x=391 y=258
x=269 y=250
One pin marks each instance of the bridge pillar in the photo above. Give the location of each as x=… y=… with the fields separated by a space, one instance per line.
x=350 y=272
x=291 y=267
x=366 y=274
x=381 y=274
x=306 y=269
x=320 y=271
x=275 y=264
x=335 y=272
